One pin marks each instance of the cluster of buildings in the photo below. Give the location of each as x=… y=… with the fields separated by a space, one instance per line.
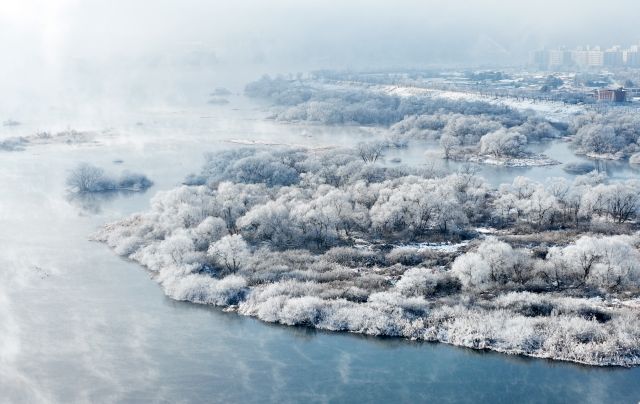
x=586 y=57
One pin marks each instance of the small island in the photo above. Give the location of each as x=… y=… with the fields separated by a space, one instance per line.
x=86 y=178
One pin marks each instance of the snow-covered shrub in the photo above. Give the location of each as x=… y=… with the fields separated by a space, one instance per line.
x=205 y=290
x=133 y=181
x=427 y=283
x=407 y=256
x=353 y=257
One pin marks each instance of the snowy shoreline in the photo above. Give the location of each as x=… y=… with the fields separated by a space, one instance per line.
x=291 y=243
x=469 y=345
x=529 y=161
x=70 y=137
x=448 y=322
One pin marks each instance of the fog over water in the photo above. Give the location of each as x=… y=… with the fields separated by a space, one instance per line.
x=79 y=324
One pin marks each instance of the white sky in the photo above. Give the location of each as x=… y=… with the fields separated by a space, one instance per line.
x=338 y=32
x=57 y=43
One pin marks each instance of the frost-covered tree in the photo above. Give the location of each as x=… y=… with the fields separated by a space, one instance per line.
x=417 y=206
x=597 y=138
x=317 y=224
x=505 y=208
x=231 y=253
x=503 y=142
x=349 y=215
x=177 y=247
x=472 y=270
x=615 y=132
x=370 y=152
x=493 y=263
x=448 y=144
x=88 y=178
x=540 y=208
x=618 y=201
x=523 y=187
x=209 y=230
x=601 y=261
x=470 y=129
x=270 y=222
x=234 y=200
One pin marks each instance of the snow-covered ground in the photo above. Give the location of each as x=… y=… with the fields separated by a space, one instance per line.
x=552 y=110
x=531 y=161
x=445 y=247
x=66 y=137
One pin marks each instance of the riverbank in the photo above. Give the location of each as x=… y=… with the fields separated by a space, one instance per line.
x=530 y=160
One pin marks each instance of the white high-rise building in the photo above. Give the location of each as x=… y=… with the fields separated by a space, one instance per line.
x=614 y=57
x=595 y=58
x=580 y=57
x=559 y=58
x=588 y=56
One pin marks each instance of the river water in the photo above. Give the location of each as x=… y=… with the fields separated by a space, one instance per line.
x=79 y=324
x=427 y=153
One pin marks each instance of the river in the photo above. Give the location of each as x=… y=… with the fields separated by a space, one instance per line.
x=79 y=324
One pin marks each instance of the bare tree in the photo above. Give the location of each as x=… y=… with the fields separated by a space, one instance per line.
x=370 y=152
x=85 y=178
x=448 y=143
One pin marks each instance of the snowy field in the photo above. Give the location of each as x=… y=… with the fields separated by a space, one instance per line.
x=555 y=111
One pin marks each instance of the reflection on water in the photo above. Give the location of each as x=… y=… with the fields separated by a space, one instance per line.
x=92 y=202
x=97 y=329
